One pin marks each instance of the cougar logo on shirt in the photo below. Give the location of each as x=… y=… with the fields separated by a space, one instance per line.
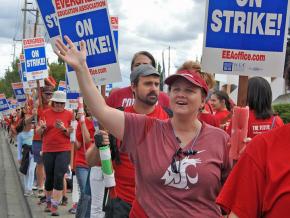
x=180 y=180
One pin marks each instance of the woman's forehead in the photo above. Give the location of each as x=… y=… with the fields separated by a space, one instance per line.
x=184 y=83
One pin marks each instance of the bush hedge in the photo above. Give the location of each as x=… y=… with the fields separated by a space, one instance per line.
x=283 y=111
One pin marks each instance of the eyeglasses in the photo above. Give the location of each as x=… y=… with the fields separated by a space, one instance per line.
x=17 y=109
x=48 y=93
x=177 y=157
x=62 y=103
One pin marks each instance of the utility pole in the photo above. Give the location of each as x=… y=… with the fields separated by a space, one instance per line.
x=24 y=19
x=36 y=23
x=14 y=48
x=169 y=61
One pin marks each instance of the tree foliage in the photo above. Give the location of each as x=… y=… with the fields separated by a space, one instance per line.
x=56 y=69
x=283 y=111
x=11 y=76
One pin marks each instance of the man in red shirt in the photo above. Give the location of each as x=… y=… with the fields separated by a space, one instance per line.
x=124 y=97
x=145 y=82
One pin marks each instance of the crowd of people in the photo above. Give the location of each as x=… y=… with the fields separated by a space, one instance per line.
x=170 y=151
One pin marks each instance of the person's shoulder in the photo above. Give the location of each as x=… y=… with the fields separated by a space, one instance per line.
x=279 y=132
x=163 y=94
x=45 y=110
x=116 y=97
x=123 y=90
x=279 y=122
x=163 y=112
x=209 y=129
x=270 y=140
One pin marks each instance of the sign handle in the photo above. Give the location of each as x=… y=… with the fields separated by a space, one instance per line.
x=242 y=91
x=39 y=95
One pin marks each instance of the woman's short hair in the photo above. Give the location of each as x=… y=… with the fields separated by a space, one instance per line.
x=259 y=97
x=192 y=65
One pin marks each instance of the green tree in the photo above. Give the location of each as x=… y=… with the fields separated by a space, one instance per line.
x=11 y=76
x=57 y=71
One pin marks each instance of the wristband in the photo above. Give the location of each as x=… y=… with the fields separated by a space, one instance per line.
x=99 y=140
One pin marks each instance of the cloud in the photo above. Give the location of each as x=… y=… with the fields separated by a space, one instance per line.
x=151 y=25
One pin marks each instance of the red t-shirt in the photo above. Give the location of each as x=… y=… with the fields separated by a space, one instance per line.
x=208 y=107
x=54 y=140
x=80 y=158
x=259 y=185
x=258 y=126
x=125 y=172
x=40 y=110
x=222 y=116
x=209 y=119
x=151 y=144
x=124 y=98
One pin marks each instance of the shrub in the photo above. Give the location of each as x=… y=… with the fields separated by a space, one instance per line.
x=283 y=111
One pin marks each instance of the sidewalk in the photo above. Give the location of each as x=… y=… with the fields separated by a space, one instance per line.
x=38 y=210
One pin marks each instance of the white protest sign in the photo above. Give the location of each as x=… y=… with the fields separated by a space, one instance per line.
x=90 y=21
x=35 y=58
x=61 y=86
x=245 y=37
x=4 y=105
x=19 y=92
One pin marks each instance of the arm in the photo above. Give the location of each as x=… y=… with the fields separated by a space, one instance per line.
x=19 y=148
x=85 y=132
x=41 y=127
x=93 y=155
x=232 y=215
x=111 y=118
x=28 y=120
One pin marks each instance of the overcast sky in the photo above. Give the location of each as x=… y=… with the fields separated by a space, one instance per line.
x=151 y=25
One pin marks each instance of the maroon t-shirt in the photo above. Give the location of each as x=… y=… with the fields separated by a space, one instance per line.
x=124 y=98
x=151 y=144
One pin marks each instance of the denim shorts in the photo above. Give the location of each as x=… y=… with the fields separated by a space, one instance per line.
x=36 y=149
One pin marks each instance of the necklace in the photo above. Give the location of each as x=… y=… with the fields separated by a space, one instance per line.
x=194 y=140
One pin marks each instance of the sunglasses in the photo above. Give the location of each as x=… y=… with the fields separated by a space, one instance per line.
x=177 y=158
x=62 y=103
x=17 y=109
x=48 y=93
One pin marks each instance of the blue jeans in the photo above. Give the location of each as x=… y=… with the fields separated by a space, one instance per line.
x=82 y=176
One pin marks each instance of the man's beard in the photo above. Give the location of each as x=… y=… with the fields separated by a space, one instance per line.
x=147 y=100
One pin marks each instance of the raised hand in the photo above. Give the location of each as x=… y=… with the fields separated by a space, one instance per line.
x=70 y=54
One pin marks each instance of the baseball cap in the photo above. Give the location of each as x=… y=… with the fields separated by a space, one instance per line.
x=191 y=76
x=59 y=96
x=143 y=70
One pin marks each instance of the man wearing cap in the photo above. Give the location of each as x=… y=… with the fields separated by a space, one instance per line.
x=124 y=97
x=145 y=81
x=54 y=126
